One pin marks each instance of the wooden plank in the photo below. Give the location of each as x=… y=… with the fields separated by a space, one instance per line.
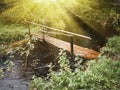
x=83 y=52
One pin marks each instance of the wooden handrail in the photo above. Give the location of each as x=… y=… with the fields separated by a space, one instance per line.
x=56 y=33
x=60 y=30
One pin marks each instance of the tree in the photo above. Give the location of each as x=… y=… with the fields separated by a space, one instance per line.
x=6 y=4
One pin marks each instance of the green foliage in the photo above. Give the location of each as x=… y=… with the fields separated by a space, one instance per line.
x=1 y=73
x=60 y=80
x=112 y=48
x=11 y=33
x=95 y=11
x=116 y=25
x=25 y=48
x=102 y=74
x=5 y=66
x=8 y=65
x=6 y=4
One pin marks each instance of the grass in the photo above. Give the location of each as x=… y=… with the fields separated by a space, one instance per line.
x=13 y=32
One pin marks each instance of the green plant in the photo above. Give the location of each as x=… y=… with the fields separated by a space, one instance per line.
x=1 y=73
x=63 y=79
x=6 y=65
x=25 y=49
x=112 y=48
x=102 y=74
x=116 y=25
x=11 y=33
x=60 y=80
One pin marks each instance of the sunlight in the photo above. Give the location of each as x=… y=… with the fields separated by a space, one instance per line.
x=48 y=12
x=39 y=1
x=53 y=13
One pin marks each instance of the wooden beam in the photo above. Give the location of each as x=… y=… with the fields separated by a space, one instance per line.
x=59 y=30
x=71 y=45
x=29 y=32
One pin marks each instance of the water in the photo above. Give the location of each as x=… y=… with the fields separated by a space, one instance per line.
x=13 y=79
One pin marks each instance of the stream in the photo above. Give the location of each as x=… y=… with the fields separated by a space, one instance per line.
x=13 y=79
x=18 y=78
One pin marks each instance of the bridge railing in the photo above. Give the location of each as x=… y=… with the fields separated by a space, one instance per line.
x=62 y=32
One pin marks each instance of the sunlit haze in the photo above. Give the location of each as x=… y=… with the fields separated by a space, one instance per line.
x=39 y=1
x=53 y=13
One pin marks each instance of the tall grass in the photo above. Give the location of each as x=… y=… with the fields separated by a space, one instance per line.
x=14 y=32
x=11 y=33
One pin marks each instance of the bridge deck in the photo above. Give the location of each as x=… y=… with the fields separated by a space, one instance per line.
x=83 y=52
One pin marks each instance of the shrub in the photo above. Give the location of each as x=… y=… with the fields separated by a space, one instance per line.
x=112 y=48
x=102 y=74
x=63 y=79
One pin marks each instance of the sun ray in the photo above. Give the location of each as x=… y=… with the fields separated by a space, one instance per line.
x=49 y=12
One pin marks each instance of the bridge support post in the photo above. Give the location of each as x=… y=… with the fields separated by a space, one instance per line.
x=71 y=45
x=43 y=36
x=29 y=32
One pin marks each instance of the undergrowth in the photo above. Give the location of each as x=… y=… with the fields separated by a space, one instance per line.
x=5 y=66
x=11 y=33
x=101 y=74
x=112 y=48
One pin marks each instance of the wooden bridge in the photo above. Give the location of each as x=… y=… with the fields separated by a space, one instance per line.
x=69 y=46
